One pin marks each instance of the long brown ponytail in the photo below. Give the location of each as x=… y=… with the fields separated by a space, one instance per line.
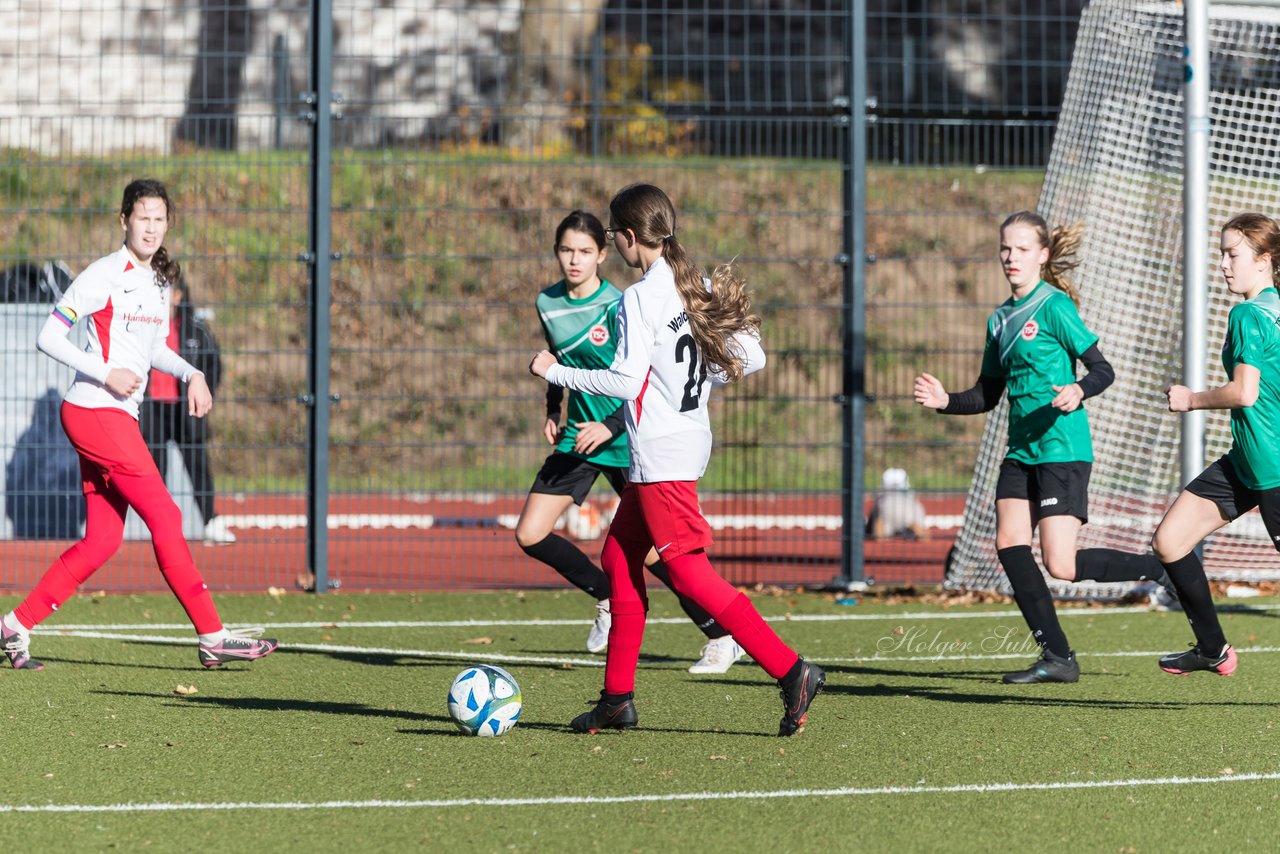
x=715 y=315
x=167 y=270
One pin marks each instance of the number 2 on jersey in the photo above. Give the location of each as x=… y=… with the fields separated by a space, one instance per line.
x=697 y=372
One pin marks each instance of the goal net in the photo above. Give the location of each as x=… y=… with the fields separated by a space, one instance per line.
x=1116 y=164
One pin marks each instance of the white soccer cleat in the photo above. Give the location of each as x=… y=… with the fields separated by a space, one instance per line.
x=598 y=637
x=718 y=655
x=217 y=533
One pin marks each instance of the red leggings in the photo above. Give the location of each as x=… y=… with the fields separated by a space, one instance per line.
x=692 y=576
x=118 y=473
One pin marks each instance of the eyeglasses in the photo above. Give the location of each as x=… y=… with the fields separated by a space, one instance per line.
x=612 y=231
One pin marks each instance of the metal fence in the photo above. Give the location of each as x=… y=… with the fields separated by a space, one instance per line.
x=366 y=198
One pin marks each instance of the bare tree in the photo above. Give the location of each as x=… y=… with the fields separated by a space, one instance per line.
x=554 y=41
x=217 y=78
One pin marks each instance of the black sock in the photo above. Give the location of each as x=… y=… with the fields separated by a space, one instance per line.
x=1110 y=565
x=1189 y=579
x=568 y=560
x=1034 y=599
x=704 y=621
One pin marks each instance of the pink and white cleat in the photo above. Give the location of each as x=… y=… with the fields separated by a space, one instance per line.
x=16 y=645
x=238 y=645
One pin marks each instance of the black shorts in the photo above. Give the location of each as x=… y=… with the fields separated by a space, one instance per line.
x=565 y=474
x=1054 y=489
x=1220 y=484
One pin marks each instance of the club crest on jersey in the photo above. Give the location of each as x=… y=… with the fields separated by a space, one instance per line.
x=1030 y=330
x=599 y=335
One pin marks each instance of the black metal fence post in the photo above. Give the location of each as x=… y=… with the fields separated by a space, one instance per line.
x=854 y=256
x=319 y=255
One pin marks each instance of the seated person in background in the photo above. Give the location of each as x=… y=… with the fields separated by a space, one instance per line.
x=896 y=511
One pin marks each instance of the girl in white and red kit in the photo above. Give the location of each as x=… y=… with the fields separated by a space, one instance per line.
x=680 y=334
x=124 y=301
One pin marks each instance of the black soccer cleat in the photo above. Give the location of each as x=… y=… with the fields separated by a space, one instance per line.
x=1047 y=668
x=798 y=688
x=1182 y=663
x=608 y=715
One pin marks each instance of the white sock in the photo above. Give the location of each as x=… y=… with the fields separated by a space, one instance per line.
x=211 y=639
x=12 y=625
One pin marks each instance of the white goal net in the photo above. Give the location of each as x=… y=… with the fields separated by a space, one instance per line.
x=1117 y=165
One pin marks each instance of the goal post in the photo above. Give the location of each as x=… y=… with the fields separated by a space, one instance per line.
x=1117 y=164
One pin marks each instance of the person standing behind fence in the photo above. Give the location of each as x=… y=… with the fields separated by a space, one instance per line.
x=163 y=416
x=578 y=315
x=1033 y=342
x=680 y=335
x=1249 y=475
x=124 y=301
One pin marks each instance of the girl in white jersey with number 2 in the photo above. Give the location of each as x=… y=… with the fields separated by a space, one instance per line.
x=124 y=300
x=680 y=334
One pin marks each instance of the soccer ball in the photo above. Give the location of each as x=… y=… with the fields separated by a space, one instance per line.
x=484 y=700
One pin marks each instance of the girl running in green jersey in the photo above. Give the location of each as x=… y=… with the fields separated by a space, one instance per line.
x=1033 y=342
x=1249 y=475
x=578 y=316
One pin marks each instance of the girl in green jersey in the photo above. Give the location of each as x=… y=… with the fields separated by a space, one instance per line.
x=1249 y=475
x=1034 y=340
x=578 y=314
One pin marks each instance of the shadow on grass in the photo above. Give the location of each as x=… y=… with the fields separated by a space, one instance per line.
x=280 y=704
x=381 y=659
x=1014 y=695
x=50 y=659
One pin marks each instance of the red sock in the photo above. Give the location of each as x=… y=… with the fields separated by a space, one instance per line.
x=694 y=577
x=754 y=635
x=626 y=633
x=56 y=586
x=623 y=562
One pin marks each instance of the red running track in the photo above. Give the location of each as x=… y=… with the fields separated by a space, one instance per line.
x=379 y=542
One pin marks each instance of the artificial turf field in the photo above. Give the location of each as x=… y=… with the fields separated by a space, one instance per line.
x=341 y=741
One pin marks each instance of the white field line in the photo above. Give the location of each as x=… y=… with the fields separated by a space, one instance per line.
x=1249 y=526
x=599 y=662
x=426 y=521
x=670 y=621
x=573 y=800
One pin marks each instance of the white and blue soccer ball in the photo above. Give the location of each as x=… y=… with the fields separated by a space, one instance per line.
x=484 y=700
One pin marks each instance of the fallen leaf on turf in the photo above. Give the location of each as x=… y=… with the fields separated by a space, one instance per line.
x=566 y=666
x=185 y=690
x=326 y=637
x=597 y=749
x=483 y=641
x=113 y=745
x=1227 y=771
x=276 y=592
x=899 y=631
x=718 y=756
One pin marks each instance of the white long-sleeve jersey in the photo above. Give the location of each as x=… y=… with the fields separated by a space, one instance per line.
x=661 y=375
x=128 y=321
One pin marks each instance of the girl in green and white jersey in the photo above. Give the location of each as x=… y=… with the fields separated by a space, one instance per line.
x=1034 y=340
x=1249 y=475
